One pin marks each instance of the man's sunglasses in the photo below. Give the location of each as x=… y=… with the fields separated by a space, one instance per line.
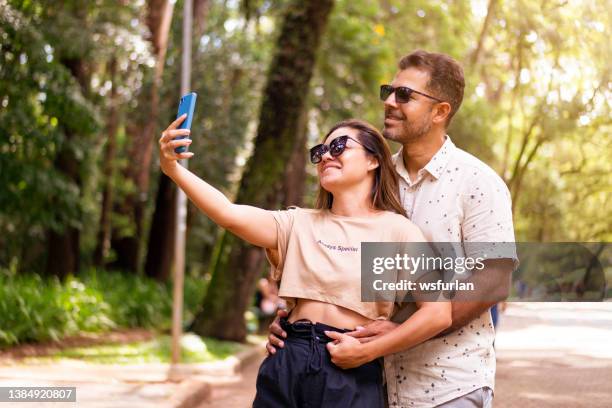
x=335 y=148
x=402 y=93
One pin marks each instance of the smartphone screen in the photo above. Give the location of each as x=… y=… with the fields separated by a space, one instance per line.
x=186 y=105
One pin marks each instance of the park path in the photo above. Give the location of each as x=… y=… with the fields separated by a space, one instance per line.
x=554 y=355
x=549 y=355
x=237 y=392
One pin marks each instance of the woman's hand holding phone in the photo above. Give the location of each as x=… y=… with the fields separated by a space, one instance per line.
x=167 y=143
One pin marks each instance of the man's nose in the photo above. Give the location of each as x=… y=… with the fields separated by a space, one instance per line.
x=390 y=101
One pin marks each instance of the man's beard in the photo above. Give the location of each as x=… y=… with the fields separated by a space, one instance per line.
x=408 y=131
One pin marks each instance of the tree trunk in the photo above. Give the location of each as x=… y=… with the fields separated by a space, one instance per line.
x=127 y=248
x=63 y=254
x=103 y=244
x=161 y=236
x=200 y=13
x=295 y=175
x=231 y=288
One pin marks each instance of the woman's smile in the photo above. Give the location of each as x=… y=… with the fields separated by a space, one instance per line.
x=329 y=166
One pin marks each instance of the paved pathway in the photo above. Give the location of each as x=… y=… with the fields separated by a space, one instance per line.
x=237 y=392
x=97 y=386
x=554 y=355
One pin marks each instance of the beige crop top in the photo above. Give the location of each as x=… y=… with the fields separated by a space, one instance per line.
x=319 y=255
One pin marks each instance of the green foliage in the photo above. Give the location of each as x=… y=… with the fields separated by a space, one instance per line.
x=353 y=61
x=36 y=309
x=548 y=83
x=41 y=103
x=50 y=111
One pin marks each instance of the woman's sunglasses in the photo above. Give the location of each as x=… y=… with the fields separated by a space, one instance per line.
x=402 y=93
x=335 y=148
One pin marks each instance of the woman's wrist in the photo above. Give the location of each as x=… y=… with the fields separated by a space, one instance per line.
x=169 y=169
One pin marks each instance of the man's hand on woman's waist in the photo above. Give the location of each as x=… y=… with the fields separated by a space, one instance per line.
x=364 y=334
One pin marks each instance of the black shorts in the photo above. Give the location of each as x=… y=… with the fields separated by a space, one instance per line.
x=301 y=374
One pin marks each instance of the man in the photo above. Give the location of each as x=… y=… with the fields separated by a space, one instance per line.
x=453 y=197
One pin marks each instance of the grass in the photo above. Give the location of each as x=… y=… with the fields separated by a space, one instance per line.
x=194 y=349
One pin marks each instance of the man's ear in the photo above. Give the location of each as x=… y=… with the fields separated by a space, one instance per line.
x=441 y=112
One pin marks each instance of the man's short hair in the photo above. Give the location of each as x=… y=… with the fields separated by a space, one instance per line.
x=445 y=76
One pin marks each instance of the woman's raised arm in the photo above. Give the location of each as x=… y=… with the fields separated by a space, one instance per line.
x=252 y=224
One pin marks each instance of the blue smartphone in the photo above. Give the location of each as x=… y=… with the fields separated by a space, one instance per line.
x=186 y=105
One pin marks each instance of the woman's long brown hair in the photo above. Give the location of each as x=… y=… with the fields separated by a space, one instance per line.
x=385 y=191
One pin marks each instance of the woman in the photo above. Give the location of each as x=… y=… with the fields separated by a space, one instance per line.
x=315 y=253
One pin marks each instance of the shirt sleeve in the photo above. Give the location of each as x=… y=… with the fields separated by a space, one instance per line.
x=284 y=225
x=487 y=229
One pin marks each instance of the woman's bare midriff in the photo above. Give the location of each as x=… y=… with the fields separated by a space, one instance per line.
x=332 y=315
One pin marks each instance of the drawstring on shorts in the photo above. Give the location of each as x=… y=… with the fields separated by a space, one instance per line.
x=315 y=334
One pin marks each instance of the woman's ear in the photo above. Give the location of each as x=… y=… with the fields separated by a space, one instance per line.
x=373 y=163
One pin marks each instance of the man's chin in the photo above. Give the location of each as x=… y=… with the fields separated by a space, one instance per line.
x=391 y=133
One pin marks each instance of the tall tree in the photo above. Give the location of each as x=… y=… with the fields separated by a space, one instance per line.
x=127 y=247
x=233 y=282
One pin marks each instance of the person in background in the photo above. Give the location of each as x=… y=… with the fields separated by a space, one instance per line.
x=267 y=303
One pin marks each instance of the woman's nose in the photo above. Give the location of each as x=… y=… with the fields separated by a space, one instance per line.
x=326 y=156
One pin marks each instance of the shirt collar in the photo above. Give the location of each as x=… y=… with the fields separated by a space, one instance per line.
x=435 y=166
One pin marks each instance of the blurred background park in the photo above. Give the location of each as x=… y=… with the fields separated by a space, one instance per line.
x=86 y=87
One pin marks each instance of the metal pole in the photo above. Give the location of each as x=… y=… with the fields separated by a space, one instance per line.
x=181 y=202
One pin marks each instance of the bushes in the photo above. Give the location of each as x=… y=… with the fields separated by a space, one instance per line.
x=37 y=309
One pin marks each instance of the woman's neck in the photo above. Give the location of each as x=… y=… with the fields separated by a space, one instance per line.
x=352 y=204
